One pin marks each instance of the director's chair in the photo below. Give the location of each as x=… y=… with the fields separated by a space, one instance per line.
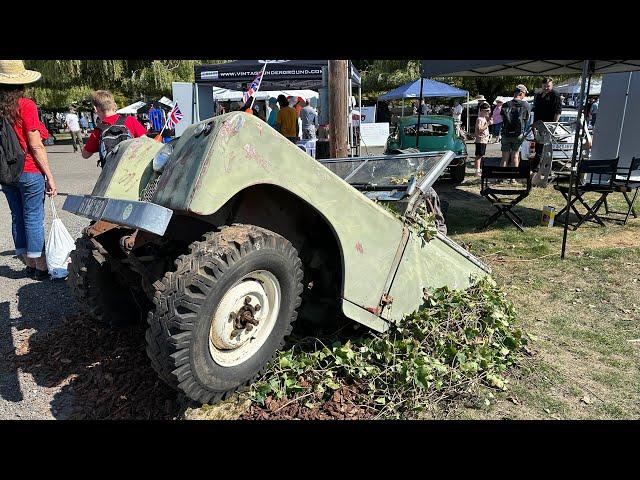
x=595 y=176
x=505 y=197
x=625 y=185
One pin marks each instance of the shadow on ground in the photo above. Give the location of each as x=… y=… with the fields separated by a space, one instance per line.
x=468 y=210
x=103 y=373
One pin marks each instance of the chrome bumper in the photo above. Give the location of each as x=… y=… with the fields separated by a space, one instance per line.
x=143 y=215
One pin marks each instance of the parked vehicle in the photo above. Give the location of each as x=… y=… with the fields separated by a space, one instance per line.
x=564 y=132
x=222 y=237
x=437 y=133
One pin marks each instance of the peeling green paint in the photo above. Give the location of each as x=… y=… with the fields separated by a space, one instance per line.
x=209 y=167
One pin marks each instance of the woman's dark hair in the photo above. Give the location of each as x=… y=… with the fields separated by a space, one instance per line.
x=9 y=96
x=282 y=100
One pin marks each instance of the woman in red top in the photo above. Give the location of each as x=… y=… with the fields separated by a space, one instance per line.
x=26 y=198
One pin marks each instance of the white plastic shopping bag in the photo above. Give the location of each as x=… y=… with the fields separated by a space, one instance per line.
x=59 y=246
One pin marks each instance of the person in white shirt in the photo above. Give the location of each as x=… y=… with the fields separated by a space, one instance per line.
x=71 y=119
x=456 y=112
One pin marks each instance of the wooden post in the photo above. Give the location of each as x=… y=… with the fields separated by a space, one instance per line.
x=338 y=145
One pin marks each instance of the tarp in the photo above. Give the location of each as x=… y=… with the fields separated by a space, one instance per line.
x=279 y=74
x=430 y=88
x=131 y=109
x=474 y=68
x=574 y=88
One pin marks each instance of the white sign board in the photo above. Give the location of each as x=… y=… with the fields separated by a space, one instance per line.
x=374 y=134
x=368 y=115
x=182 y=93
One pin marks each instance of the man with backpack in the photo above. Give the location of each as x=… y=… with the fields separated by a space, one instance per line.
x=515 y=114
x=111 y=129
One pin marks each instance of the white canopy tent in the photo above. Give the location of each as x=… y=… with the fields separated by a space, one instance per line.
x=474 y=103
x=586 y=68
x=131 y=109
x=573 y=88
x=224 y=94
x=166 y=101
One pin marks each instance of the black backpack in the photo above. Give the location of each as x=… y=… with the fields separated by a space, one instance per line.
x=111 y=136
x=512 y=115
x=11 y=154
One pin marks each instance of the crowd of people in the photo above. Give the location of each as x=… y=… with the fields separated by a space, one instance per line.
x=508 y=122
x=293 y=117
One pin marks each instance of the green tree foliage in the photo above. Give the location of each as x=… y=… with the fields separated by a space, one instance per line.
x=380 y=76
x=66 y=82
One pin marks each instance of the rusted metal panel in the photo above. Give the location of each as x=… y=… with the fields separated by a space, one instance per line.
x=246 y=152
x=125 y=175
x=428 y=265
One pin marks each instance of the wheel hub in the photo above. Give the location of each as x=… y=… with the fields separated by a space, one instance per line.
x=244 y=318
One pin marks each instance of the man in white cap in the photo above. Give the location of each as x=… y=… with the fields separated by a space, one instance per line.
x=72 y=121
x=515 y=114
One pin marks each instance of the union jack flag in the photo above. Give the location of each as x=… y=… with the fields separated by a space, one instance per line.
x=175 y=115
x=253 y=87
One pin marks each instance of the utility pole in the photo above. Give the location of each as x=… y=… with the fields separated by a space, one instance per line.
x=338 y=145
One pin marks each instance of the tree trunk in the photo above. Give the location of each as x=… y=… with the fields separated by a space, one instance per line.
x=338 y=144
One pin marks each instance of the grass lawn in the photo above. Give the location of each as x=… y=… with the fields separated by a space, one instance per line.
x=584 y=310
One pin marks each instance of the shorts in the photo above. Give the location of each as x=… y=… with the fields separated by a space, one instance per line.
x=511 y=144
x=481 y=149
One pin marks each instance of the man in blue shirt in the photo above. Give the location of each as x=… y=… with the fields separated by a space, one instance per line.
x=273 y=115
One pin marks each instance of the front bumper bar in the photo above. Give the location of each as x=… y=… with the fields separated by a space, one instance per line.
x=142 y=215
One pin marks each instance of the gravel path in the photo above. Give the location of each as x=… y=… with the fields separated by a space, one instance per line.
x=30 y=309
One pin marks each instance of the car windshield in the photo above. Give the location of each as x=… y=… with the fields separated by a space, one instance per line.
x=427 y=130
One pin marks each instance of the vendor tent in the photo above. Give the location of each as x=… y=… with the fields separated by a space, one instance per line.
x=502 y=68
x=586 y=68
x=131 y=109
x=279 y=74
x=431 y=88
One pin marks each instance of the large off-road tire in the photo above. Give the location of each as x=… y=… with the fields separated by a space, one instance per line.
x=193 y=314
x=97 y=290
x=458 y=172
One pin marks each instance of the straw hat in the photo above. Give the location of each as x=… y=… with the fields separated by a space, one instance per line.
x=12 y=72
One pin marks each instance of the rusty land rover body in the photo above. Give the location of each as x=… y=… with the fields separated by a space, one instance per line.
x=222 y=238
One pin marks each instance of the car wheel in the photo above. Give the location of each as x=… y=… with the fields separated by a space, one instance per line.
x=225 y=311
x=98 y=289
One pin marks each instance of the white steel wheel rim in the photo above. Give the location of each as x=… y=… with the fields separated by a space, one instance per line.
x=228 y=346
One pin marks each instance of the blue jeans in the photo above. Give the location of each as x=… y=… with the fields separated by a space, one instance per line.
x=26 y=201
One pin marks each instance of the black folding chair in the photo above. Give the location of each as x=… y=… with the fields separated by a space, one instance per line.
x=502 y=197
x=623 y=184
x=595 y=176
